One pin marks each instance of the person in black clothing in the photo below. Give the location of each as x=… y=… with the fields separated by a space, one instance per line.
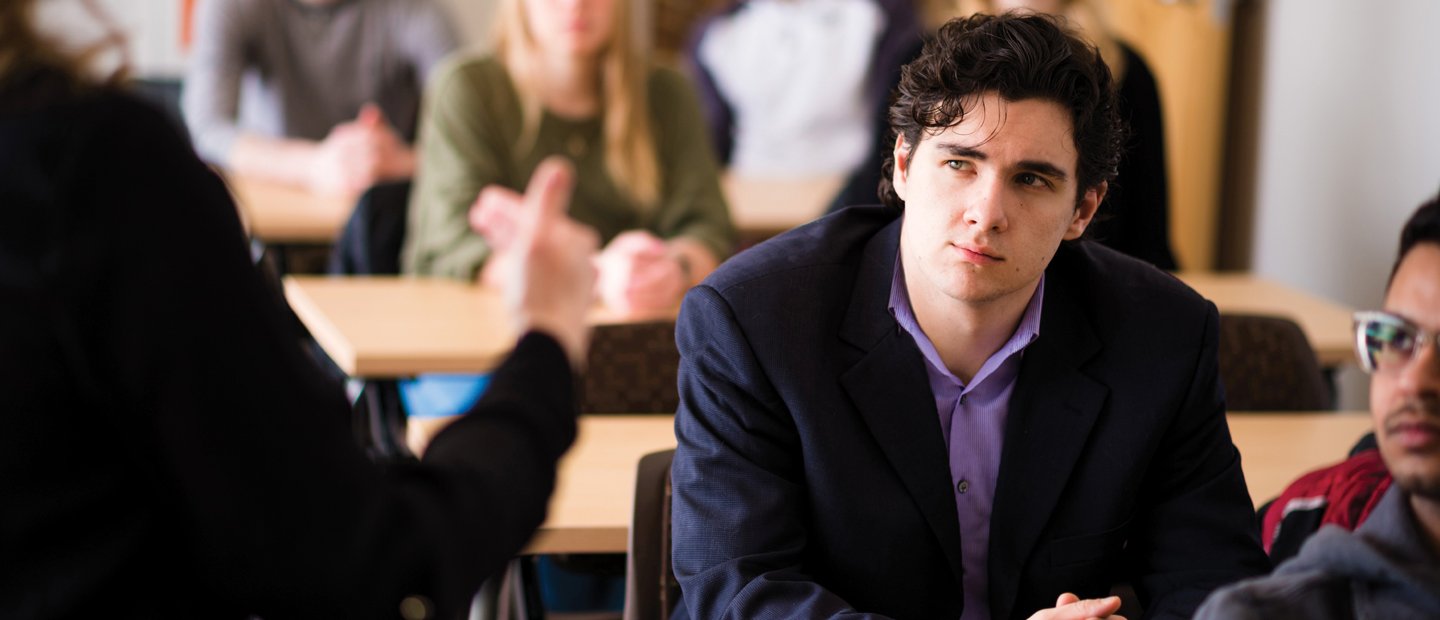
x=169 y=451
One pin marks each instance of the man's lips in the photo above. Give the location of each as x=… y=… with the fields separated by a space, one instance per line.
x=1412 y=434
x=979 y=255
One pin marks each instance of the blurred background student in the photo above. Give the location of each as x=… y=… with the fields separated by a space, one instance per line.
x=788 y=86
x=169 y=450
x=322 y=93
x=570 y=78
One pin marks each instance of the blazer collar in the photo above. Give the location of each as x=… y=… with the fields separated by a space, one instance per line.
x=890 y=389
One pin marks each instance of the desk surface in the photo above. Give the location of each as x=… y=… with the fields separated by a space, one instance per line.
x=1325 y=323
x=386 y=326
x=762 y=208
x=1277 y=448
x=595 y=493
x=590 y=511
x=395 y=327
x=278 y=213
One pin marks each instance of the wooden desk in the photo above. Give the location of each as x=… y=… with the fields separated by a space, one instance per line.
x=1277 y=448
x=595 y=493
x=386 y=326
x=278 y=213
x=590 y=511
x=1325 y=323
x=762 y=208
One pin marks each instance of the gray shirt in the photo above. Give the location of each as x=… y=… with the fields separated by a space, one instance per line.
x=281 y=68
x=1384 y=569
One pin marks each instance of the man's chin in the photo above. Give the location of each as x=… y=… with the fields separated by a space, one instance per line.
x=1425 y=484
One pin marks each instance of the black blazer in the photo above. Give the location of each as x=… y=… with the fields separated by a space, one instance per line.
x=811 y=477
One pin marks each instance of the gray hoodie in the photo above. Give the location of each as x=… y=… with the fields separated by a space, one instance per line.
x=1384 y=569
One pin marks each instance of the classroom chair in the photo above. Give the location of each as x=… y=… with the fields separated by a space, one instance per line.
x=651 y=589
x=1267 y=364
x=632 y=368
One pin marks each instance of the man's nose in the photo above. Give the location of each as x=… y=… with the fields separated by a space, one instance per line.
x=987 y=206
x=1422 y=374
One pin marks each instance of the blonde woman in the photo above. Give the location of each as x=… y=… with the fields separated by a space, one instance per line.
x=570 y=77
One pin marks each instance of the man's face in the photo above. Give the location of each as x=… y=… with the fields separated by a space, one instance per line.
x=988 y=201
x=1405 y=401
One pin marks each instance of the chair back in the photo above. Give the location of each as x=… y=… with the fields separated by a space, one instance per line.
x=650 y=586
x=370 y=245
x=371 y=240
x=1267 y=364
x=632 y=369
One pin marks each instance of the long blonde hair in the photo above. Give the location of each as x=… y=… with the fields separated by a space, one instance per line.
x=630 y=156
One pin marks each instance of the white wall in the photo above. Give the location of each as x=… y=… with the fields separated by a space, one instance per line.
x=1348 y=146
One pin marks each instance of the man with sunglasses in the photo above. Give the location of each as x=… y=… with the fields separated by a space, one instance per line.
x=1390 y=566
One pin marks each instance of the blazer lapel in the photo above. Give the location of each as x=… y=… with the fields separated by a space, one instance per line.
x=889 y=387
x=1052 y=411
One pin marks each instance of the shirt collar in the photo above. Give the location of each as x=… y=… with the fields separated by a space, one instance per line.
x=1025 y=333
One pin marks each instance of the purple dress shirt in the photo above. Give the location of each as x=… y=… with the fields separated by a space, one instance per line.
x=972 y=418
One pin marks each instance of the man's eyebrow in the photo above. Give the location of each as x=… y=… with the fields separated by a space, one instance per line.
x=955 y=149
x=1043 y=168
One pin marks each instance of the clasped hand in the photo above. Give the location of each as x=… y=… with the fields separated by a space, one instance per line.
x=639 y=273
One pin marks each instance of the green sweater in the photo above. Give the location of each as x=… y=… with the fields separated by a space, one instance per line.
x=469 y=138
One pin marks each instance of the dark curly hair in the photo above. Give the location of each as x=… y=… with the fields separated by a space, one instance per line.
x=1017 y=56
x=1422 y=227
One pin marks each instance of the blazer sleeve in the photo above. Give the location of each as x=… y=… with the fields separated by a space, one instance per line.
x=739 y=503
x=1197 y=529
x=281 y=511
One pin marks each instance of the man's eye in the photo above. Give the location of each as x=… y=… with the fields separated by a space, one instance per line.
x=1032 y=180
x=956 y=164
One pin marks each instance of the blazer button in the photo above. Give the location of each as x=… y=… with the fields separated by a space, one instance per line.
x=963 y=486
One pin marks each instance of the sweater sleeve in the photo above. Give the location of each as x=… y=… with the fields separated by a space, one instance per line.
x=210 y=97
x=691 y=202
x=461 y=151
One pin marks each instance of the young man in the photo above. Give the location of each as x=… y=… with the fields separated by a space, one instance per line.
x=950 y=407
x=1390 y=566
x=324 y=93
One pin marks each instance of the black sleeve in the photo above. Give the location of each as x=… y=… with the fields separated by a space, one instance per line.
x=282 y=513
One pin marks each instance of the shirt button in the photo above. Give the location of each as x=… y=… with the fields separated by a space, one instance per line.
x=962 y=399
x=963 y=486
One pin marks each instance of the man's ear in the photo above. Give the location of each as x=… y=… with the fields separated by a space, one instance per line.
x=1085 y=210
x=902 y=166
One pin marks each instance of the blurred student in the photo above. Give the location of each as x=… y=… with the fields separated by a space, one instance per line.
x=788 y=86
x=169 y=450
x=1389 y=567
x=570 y=78
x=323 y=93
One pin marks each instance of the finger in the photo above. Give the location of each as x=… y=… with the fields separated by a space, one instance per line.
x=1066 y=599
x=370 y=115
x=1098 y=607
x=546 y=197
